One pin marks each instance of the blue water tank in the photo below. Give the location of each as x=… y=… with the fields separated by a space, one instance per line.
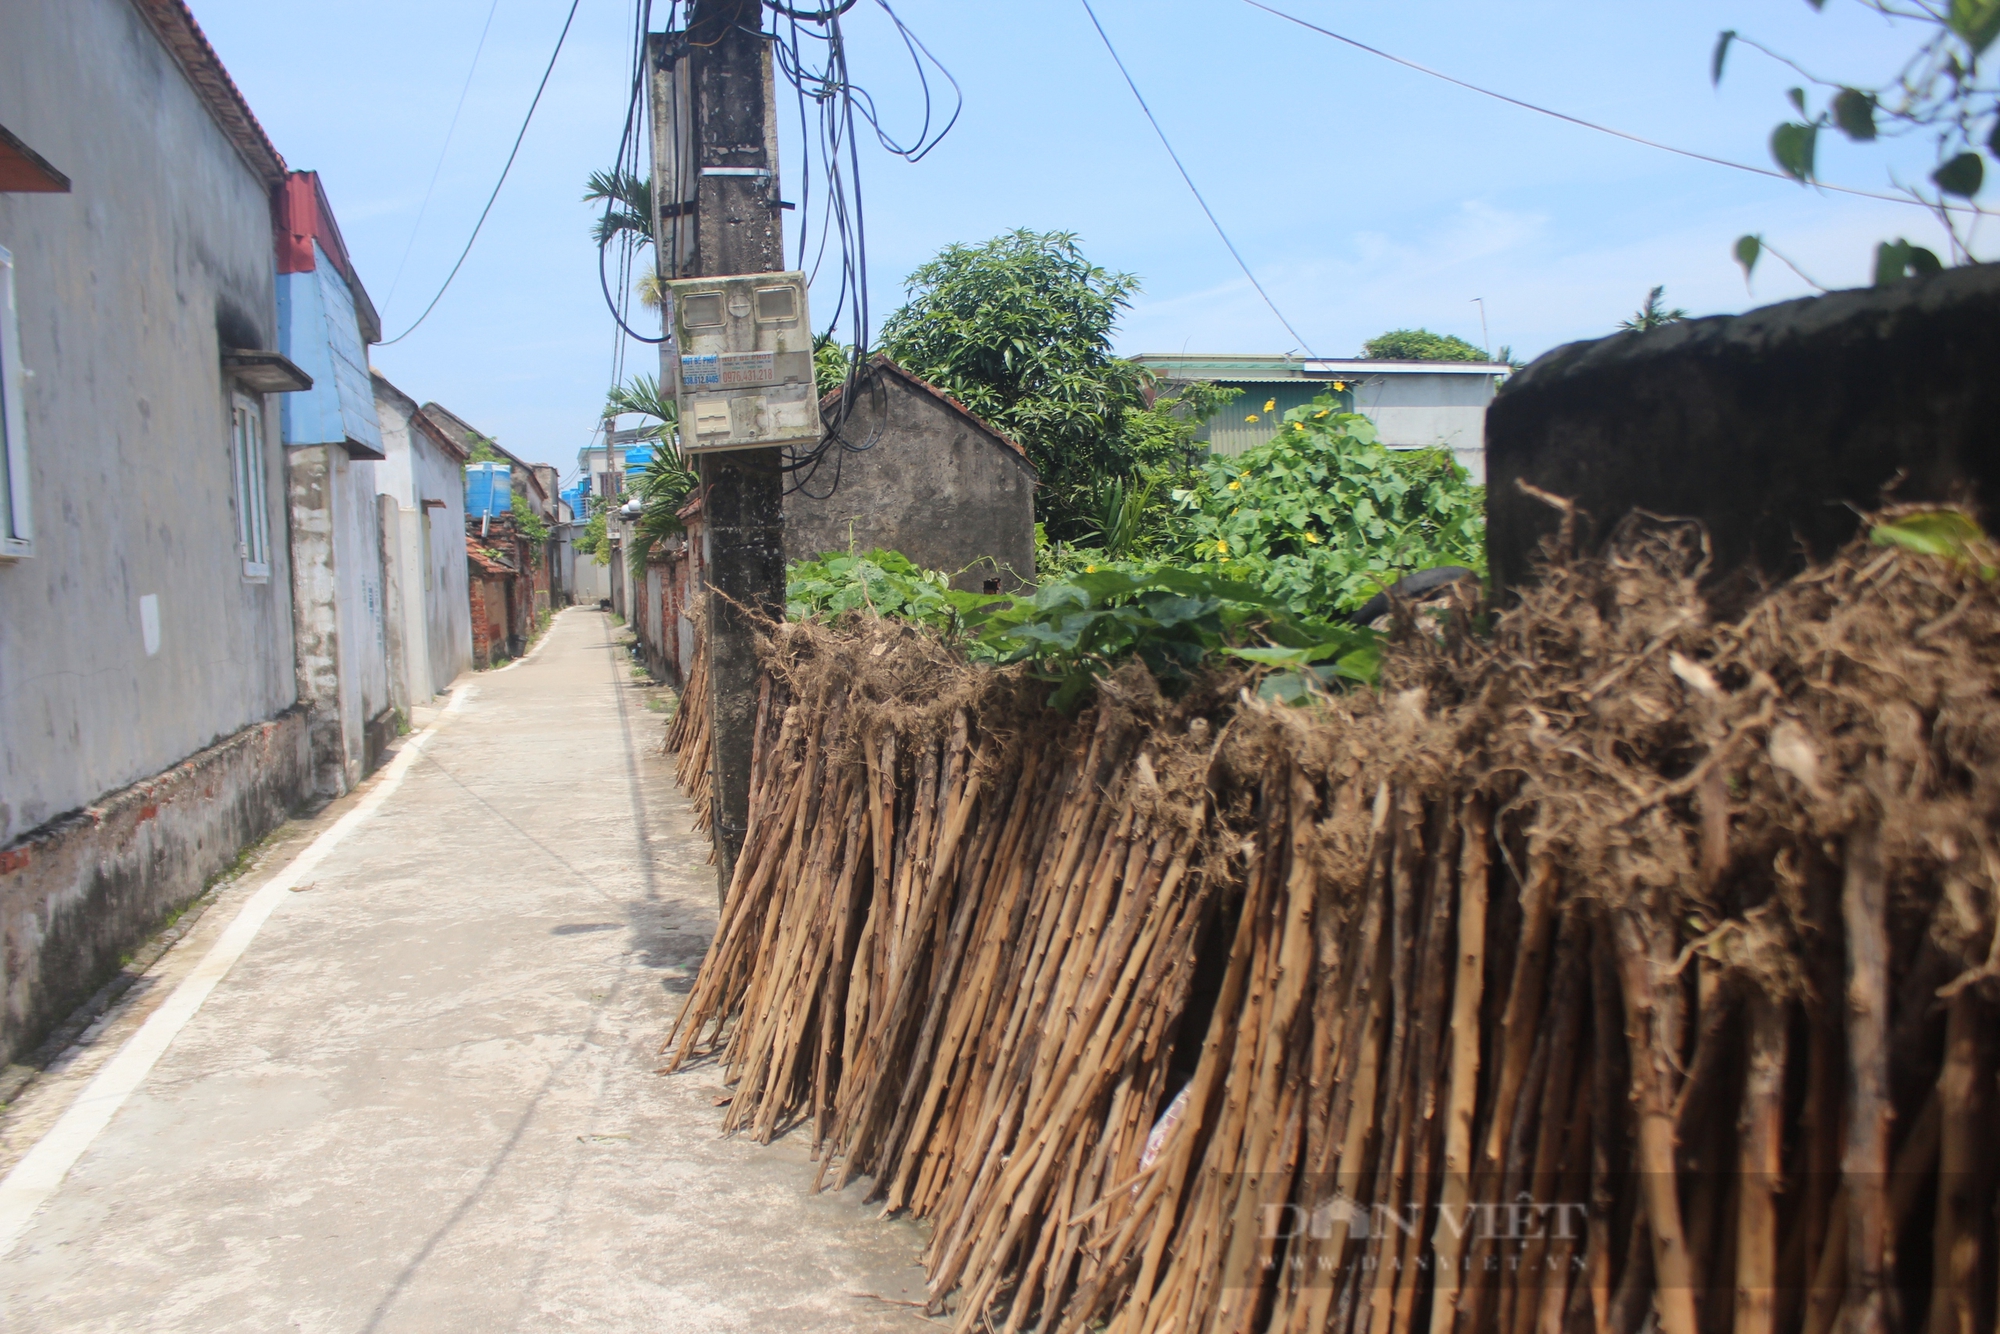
x=637 y=457
x=489 y=489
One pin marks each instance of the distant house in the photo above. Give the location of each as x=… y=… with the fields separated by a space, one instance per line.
x=1414 y=404
x=910 y=468
x=540 y=588
x=421 y=482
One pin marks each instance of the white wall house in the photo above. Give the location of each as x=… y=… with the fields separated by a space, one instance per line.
x=1414 y=404
x=147 y=683
x=1422 y=404
x=421 y=484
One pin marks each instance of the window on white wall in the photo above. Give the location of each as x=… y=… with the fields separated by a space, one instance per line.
x=253 y=524
x=17 y=532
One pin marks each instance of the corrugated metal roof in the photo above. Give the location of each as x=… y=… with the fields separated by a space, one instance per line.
x=1225 y=366
x=1370 y=366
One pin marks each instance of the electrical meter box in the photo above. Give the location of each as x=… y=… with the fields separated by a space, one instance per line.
x=740 y=362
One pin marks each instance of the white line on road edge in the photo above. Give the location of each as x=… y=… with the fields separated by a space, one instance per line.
x=546 y=636
x=36 y=1177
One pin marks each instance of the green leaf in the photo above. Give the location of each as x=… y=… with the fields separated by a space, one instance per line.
x=1854 y=113
x=1284 y=688
x=1798 y=99
x=1977 y=22
x=1898 y=259
x=1962 y=176
x=1722 y=42
x=1892 y=262
x=1363 y=665
x=1748 y=248
x=1949 y=533
x=1792 y=147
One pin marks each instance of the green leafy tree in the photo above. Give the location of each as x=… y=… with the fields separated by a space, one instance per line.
x=1324 y=515
x=482 y=450
x=526 y=522
x=1653 y=315
x=1419 y=345
x=831 y=359
x=1939 y=92
x=594 y=542
x=1019 y=330
x=1133 y=518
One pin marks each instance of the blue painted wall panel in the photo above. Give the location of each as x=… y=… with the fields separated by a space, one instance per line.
x=318 y=330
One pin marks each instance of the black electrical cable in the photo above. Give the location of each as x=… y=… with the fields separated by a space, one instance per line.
x=812 y=16
x=1192 y=187
x=511 y=155
x=1587 y=124
x=443 y=149
x=627 y=163
x=821 y=79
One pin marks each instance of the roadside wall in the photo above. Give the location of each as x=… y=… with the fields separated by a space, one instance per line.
x=1771 y=427
x=128 y=289
x=78 y=893
x=343 y=676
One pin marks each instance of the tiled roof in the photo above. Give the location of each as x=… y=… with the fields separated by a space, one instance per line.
x=483 y=560
x=181 y=35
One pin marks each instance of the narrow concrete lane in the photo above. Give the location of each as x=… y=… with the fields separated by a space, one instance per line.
x=425 y=1098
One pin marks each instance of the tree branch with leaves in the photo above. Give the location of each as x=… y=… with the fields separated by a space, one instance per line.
x=1939 y=91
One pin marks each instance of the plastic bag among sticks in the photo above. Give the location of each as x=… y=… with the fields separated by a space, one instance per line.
x=1615 y=967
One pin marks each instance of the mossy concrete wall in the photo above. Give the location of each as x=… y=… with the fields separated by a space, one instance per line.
x=1774 y=427
x=922 y=476
x=84 y=890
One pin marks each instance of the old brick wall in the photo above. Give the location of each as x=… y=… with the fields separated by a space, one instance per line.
x=490 y=595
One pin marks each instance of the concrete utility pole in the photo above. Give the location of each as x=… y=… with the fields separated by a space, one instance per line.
x=715 y=193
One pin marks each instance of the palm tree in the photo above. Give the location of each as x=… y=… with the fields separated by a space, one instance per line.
x=1653 y=315
x=632 y=204
x=642 y=398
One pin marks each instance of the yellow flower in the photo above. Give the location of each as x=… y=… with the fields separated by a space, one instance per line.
x=1321 y=413
x=1222 y=545
x=1270 y=405
x=1340 y=385
x=1225 y=560
x=1252 y=417
x=1298 y=426
x=1313 y=538
x=1236 y=486
x=1090 y=569
x=1244 y=473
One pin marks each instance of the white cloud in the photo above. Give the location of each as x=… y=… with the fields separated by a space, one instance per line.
x=1543 y=283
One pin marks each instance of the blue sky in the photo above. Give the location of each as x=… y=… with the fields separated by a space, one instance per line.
x=1365 y=196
